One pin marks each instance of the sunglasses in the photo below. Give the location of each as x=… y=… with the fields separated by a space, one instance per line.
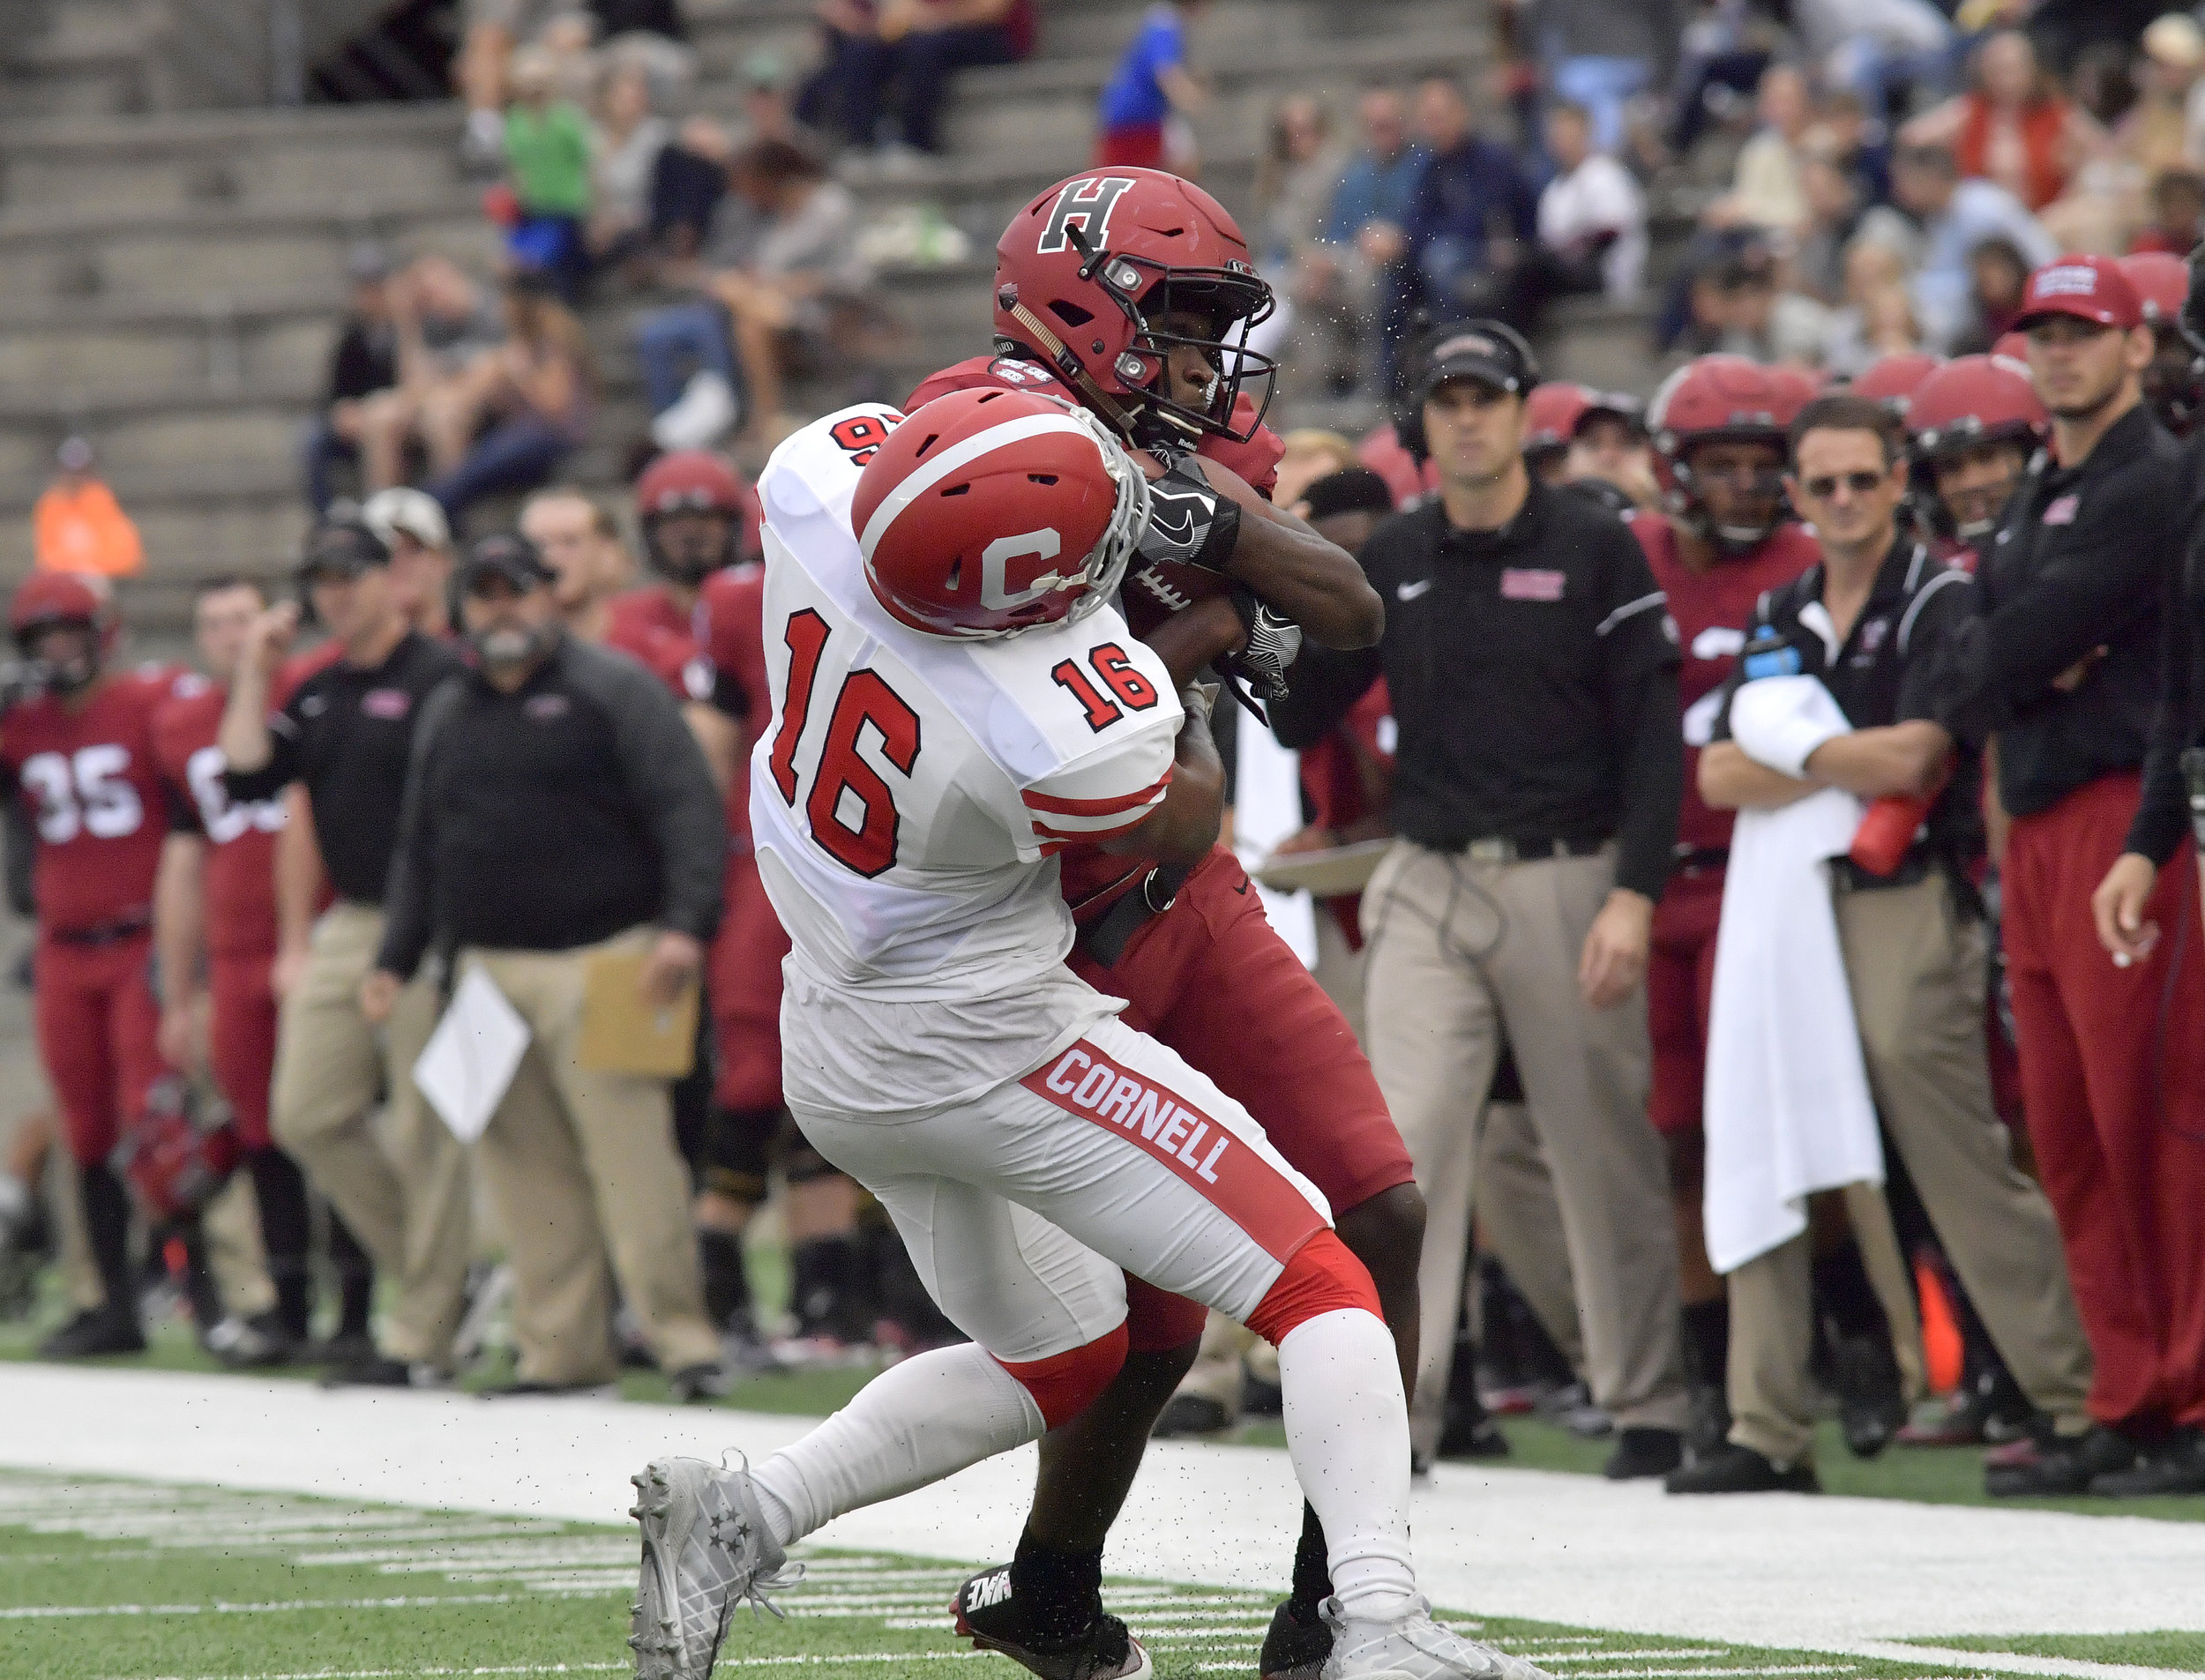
x=1859 y=483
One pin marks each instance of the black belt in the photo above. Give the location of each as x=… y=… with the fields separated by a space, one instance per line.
x=1105 y=938
x=1914 y=869
x=106 y=933
x=1501 y=848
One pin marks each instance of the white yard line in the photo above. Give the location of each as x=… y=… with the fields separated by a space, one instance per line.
x=1843 y=1576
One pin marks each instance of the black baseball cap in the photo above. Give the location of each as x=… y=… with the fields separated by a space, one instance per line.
x=1352 y=489
x=508 y=555
x=345 y=548
x=1486 y=351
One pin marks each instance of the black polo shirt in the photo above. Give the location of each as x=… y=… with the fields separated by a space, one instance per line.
x=2079 y=564
x=571 y=809
x=1883 y=671
x=346 y=734
x=2162 y=817
x=1532 y=671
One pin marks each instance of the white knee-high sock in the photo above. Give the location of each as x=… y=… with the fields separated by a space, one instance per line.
x=1347 y=1431
x=915 y=1423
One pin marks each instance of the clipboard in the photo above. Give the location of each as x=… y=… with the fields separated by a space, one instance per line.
x=1331 y=874
x=622 y=1033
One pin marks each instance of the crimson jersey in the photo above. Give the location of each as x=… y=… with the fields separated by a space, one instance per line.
x=1712 y=610
x=731 y=617
x=1332 y=782
x=1093 y=880
x=92 y=779
x=1960 y=557
x=671 y=656
x=637 y=612
x=240 y=878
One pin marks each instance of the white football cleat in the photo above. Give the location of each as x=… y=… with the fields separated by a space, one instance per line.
x=1413 y=1646
x=705 y=1548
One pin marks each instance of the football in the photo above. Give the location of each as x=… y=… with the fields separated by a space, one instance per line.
x=1153 y=593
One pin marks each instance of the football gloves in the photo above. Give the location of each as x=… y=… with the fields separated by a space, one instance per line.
x=1189 y=523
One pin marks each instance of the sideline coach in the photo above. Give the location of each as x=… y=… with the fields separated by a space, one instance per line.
x=557 y=806
x=1533 y=670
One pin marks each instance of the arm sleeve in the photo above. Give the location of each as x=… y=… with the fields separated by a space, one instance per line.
x=1100 y=796
x=2163 y=815
x=409 y=894
x=286 y=735
x=666 y=775
x=1995 y=666
x=1322 y=686
x=1652 y=777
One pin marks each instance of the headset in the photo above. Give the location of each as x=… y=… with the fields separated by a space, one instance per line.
x=1408 y=409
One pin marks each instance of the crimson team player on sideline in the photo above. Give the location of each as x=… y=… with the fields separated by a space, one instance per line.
x=1974 y=422
x=2174 y=383
x=1893 y=379
x=1724 y=540
x=214 y=923
x=1146 y=281
x=81 y=748
x=948 y=602
x=2061 y=671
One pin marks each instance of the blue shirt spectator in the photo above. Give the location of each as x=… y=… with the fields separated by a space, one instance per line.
x=1956 y=217
x=1380 y=183
x=1134 y=96
x=1470 y=189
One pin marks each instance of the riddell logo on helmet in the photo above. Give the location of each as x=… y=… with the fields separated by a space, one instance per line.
x=1088 y=202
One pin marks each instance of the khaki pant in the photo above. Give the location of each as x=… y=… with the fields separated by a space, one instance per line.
x=582 y=1165
x=1459 y=949
x=1917 y=970
x=1516 y=1209
x=404 y=1193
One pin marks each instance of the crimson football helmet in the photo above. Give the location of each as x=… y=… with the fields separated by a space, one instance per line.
x=1720 y=400
x=1969 y=401
x=2174 y=383
x=46 y=599
x=1893 y=379
x=1552 y=415
x=695 y=481
x=988 y=512
x=1087 y=276
x=173 y=1157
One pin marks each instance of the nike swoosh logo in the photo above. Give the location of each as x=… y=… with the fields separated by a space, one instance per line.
x=1182 y=533
x=1411 y=591
x=1242 y=889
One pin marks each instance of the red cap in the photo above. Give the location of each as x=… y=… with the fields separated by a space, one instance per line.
x=2091 y=289
x=2162 y=281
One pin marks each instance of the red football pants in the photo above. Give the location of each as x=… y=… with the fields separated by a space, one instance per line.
x=98 y=1034
x=2113 y=1081
x=1212 y=979
x=243 y=1039
x=1680 y=998
x=746 y=992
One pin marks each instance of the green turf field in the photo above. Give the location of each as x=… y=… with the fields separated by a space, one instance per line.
x=120 y=1581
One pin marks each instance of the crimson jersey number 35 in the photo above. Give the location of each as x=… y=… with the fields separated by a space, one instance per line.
x=851 y=807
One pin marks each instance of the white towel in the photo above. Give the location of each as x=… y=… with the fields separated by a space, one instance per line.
x=1787 y=1109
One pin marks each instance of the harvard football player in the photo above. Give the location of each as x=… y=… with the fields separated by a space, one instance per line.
x=2174 y=383
x=1974 y=424
x=1725 y=539
x=1130 y=293
x=81 y=749
x=214 y=926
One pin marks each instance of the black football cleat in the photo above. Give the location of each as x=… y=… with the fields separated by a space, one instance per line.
x=1294 y=1649
x=1740 y=1470
x=93 y=1332
x=990 y=1614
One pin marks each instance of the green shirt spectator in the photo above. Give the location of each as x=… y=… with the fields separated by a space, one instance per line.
x=548 y=152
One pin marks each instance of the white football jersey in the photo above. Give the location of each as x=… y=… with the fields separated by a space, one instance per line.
x=908 y=801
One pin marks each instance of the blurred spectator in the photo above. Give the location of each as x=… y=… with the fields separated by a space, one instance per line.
x=1601 y=54
x=623 y=164
x=1736 y=307
x=771 y=281
x=1350 y=269
x=2001 y=276
x=903 y=53
x=2158 y=133
x=537 y=392
x=364 y=362
x=558 y=814
x=1766 y=192
x=650 y=30
x=548 y=161
x=689 y=188
x=1151 y=86
x=1858 y=143
x=1472 y=194
x=1726 y=47
x=1310 y=454
x=1592 y=219
x=1833 y=214
x=1295 y=182
x=77 y=524
x=1878 y=47
x=2177 y=214
x=2013 y=127
x=1873 y=318
x=1957 y=216
x=446 y=327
